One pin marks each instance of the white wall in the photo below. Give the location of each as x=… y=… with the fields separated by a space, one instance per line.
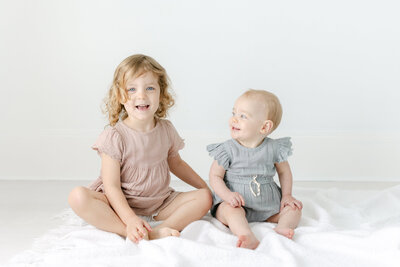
x=334 y=65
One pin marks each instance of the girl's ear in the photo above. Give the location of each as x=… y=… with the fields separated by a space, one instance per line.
x=267 y=127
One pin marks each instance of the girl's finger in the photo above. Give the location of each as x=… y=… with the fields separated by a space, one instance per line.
x=132 y=238
x=141 y=231
x=147 y=225
x=137 y=235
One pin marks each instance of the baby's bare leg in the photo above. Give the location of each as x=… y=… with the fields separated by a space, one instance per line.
x=95 y=209
x=287 y=220
x=187 y=207
x=235 y=218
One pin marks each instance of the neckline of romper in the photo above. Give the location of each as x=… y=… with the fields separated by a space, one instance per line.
x=251 y=149
x=158 y=122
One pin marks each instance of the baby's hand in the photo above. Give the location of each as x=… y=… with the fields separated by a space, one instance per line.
x=289 y=200
x=235 y=199
x=137 y=229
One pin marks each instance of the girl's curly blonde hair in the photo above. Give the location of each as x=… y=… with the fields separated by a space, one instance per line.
x=130 y=67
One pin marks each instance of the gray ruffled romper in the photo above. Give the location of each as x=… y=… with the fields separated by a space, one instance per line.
x=250 y=172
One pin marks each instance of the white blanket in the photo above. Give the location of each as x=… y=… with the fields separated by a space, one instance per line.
x=338 y=228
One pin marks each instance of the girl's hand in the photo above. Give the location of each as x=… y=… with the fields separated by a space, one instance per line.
x=235 y=199
x=137 y=229
x=289 y=200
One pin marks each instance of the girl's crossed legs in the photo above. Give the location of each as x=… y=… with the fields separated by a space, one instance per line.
x=95 y=209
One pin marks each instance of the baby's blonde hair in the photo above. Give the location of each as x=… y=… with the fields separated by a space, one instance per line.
x=131 y=67
x=273 y=107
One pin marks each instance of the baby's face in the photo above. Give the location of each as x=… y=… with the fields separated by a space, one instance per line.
x=248 y=117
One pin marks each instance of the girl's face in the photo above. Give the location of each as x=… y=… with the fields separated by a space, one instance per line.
x=246 y=123
x=143 y=97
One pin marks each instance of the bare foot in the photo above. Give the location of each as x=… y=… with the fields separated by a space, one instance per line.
x=287 y=232
x=247 y=241
x=162 y=232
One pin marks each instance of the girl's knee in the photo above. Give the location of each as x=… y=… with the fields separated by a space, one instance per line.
x=78 y=197
x=205 y=197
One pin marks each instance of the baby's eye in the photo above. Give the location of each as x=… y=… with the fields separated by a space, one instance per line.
x=150 y=88
x=233 y=113
x=131 y=90
x=242 y=116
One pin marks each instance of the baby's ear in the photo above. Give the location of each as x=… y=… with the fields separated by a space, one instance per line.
x=267 y=127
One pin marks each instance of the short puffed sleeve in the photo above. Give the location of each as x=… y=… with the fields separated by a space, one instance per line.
x=283 y=149
x=110 y=142
x=219 y=153
x=176 y=142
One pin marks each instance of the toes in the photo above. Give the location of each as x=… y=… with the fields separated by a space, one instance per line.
x=240 y=241
x=175 y=233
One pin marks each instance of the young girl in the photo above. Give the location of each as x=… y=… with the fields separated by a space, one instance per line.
x=243 y=170
x=137 y=153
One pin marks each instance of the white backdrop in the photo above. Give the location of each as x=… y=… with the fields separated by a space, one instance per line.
x=334 y=65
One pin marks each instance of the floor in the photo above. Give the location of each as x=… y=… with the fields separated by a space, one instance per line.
x=28 y=208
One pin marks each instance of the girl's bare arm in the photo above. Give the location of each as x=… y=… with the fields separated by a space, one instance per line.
x=183 y=171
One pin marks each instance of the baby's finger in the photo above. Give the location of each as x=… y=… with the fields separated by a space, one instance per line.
x=238 y=201
x=292 y=205
x=298 y=204
x=241 y=200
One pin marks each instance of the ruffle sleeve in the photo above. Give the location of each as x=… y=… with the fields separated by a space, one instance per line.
x=110 y=142
x=177 y=143
x=283 y=149
x=219 y=153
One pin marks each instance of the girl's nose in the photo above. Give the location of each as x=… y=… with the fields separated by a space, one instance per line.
x=234 y=119
x=141 y=94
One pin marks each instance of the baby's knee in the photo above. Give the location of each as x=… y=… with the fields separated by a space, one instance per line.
x=225 y=209
x=78 y=197
x=289 y=209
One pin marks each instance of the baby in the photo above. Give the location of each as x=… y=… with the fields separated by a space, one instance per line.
x=243 y=170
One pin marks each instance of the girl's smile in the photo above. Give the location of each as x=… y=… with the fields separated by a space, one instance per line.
x=143 y=100
x=142 y=107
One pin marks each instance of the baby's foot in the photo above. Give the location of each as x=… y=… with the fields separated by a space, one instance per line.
x=247 y=241
x=287 y=232
x=163 y=232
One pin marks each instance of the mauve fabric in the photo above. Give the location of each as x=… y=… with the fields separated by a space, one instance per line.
x=143 y=156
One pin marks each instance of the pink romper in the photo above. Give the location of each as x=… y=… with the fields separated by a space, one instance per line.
x=143 y=157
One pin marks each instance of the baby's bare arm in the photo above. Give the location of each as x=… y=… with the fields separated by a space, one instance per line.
x=285 y=177
x=286 y=181
x=217 y=183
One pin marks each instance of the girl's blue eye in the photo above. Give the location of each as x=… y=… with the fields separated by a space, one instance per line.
x=131 y=89
x=150 y=88
x=243 y=116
